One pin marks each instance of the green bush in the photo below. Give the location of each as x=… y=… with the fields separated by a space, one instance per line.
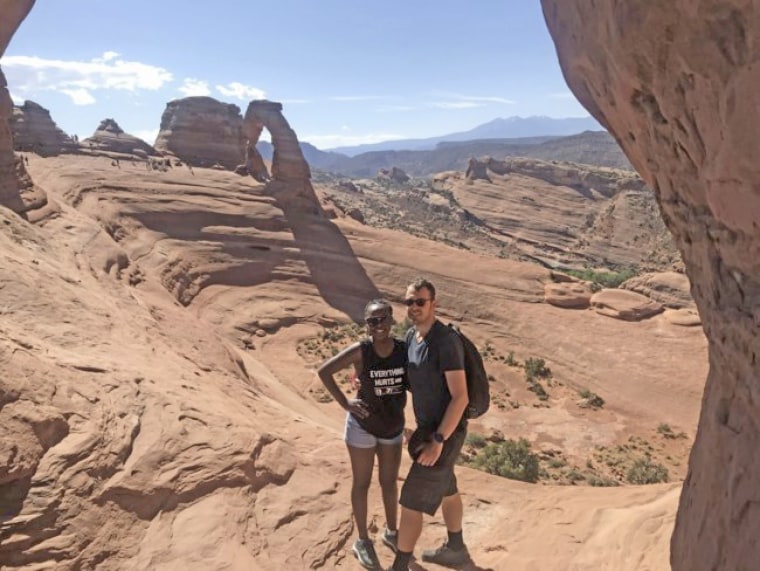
x=592 y=400
x=603 y=279
x=475 y=440
x=602 y=481
x=399 y=329
x=645 y=471
x=535 y=368
x=509 y=459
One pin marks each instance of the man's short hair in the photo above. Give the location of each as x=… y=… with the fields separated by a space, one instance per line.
x=420 y=283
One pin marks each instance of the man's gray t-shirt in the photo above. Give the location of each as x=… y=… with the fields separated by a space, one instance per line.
x=440 y=351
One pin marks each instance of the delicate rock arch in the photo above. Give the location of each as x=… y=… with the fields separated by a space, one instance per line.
x=291 y=175
x=676 y=83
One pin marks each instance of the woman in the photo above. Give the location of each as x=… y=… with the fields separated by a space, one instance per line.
x=375 y=420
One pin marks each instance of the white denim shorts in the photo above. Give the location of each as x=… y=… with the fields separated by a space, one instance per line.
x=357 y=437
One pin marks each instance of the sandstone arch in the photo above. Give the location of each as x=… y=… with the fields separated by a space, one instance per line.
x=676 y=83
x=13 y=13
x=291 y=175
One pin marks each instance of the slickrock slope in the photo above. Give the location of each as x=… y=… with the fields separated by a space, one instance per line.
x=33 y=129
x=676 y=84
x=202 y=132
x=109 y=137
x=183 y=430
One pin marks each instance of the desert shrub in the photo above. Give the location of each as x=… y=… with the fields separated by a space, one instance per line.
x=539 y=389
x=475 y=440
x=591 y=399
x=602 y=481
x=535 y=368
x=646 y=471
x=510 y=359
x=509 y=459
x=399 y=329
x=603 y=279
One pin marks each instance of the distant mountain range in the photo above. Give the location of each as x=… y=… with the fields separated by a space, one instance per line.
x=591 y=147
x=501 y=128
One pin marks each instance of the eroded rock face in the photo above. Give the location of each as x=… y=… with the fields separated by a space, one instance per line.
x=13 y=12
x=677 y=87
x=35 y=131
x=203 y=132
x=109 y=137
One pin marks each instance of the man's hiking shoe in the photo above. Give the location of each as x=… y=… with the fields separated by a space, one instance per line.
x=446 y=556
x=390 y=538
x=365 y=553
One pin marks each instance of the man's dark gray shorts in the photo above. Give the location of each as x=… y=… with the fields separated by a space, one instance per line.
x=426 y=486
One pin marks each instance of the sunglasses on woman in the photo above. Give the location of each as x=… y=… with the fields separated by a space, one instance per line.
x=375 y=321
x=418 y=301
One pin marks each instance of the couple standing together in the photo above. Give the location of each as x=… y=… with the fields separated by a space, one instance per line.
x=430 y=363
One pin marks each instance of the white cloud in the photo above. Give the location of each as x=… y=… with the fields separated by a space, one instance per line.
x=456 y=104
x=147 y=135
x=480 y=99
x=240 y=91
x=107 y=56
x=16 y=99
x=78 y=79
x=192 y=87
x=79 y=96
x=344 y=140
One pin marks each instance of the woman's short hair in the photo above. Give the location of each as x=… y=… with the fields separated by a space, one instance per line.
x=374 y=304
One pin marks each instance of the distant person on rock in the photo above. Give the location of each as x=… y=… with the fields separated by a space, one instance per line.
x=439 y=394
x=375 y=420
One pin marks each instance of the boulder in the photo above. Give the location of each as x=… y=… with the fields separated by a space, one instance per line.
x=202 y=132
x=686 y=317
x=572 y=295
x=624 y=304
x=671 y=289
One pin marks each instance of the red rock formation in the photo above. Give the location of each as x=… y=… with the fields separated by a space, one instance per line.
x=202 y=131
x=675 y=82
x=34 y=130
x=290 y=172
x=109 y=137
x=13 y=12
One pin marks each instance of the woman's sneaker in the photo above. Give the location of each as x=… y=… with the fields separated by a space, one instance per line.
x=390 y=538
x=446 y=556
x=364 y=551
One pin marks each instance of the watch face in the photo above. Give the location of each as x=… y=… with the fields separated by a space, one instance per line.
x=438 y=437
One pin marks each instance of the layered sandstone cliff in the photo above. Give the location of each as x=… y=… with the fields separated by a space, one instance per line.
x=13 y=12
x=109 y=137
x=202 y=132
x=34 y=130
x=676 y=84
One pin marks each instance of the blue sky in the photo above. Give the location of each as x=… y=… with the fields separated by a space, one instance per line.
x=347 y=71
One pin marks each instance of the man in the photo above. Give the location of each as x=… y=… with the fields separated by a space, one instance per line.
x=439 y=396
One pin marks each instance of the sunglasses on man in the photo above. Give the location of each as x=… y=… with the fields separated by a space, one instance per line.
x=418 y=301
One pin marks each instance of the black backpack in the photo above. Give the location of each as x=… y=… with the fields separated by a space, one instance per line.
x=478 y=389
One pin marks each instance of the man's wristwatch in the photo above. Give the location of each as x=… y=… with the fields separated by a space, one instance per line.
x=438 y=437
